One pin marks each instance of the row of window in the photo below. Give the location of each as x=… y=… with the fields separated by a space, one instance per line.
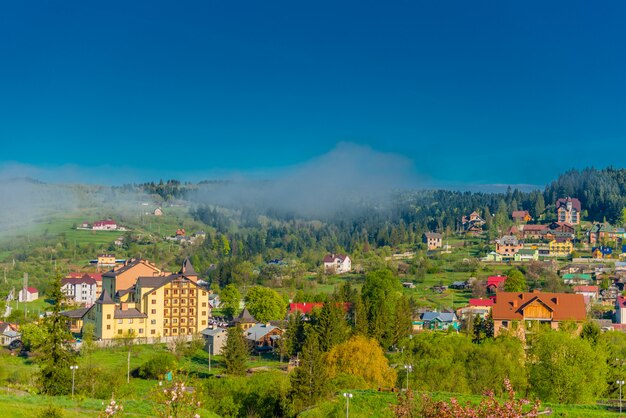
x=130 y=320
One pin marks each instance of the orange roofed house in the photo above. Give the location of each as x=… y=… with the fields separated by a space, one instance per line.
x=521 y=216
x=519 y=312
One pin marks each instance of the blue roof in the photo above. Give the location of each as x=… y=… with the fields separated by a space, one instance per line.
x=439 y=316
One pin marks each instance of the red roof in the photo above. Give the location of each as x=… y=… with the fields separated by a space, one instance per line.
x=481 y=302
x=32 y=290
x=585 y=288
x=564 y=306
x=76 y=275
x=563 y=202
x=495 y=280
x=78 y=280
x=621 y=301
x=106 y=222
x=304 y=307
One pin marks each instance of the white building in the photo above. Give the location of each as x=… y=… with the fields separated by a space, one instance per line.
x=81 y=290
x=28 y=294
x=337 y=263
x=105 y=225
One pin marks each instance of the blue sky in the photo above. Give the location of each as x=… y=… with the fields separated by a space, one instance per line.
x=469 y=92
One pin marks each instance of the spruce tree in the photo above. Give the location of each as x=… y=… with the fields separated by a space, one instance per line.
x=56 y=354
x=309 y=382
x=330 y=324
x=235 y=352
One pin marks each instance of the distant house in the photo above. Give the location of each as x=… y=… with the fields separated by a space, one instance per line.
x=476 y=307
x=602 y=252
x=472 y=224
x=604 y=232
x=577 y=279
x=8 y=333
x=620 y=310
x=180 y=232
x=158 y=212
x=562 y=227
x=433 y=240
x=337 y=263
x=495 y=283
x=408 y=285
x=75 y=319
x=106 y=260
x=590 y=293
x=81 y=290
x=493 y=257
x=533 y=231
x=527 y=254
x=521 y=216
x=568 y=210
x=85 y=225
x=439 y=321
x=508 y=246
x=28 y=294
x=245 y=320
x=560 y=247
x=96 y=276
x=520 y=312
x=263 y=337
x=459 y=285
x=105 y=225
x=215 y=339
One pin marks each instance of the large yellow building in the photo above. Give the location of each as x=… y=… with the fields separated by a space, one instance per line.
x=560 y=248
x=154 y=307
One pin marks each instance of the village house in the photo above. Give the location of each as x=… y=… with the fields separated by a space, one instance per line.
x=438 y=321
x=590 y=293
x=560 y=247
x=214 y=339
x=8 y=334
x=476 y=308
x=472 y=224
x=577 y=279
x=96 y=276
x=535 y=232
x=433 y=240
x=493 y=257
x=105 y=225
x=508 y=246
x=263 y=337
x=564 y=227
x=80 y=290
x=75 y=319
x=28 y=294
x=520 y=312
x=605 y=233
x=304 y=308
x=568 y=210
x=521 y=216
x=527 y=254
x=337 y=263
x=601 y=252
x=495 y=283
x=106 y=260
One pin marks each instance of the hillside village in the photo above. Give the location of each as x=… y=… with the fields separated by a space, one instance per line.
x=557 y=271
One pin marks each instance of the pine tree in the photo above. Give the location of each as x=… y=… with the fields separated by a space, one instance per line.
x=56 y=353
x=402 y=320
x=309 y=382
x=235 y=352
x=330 y=324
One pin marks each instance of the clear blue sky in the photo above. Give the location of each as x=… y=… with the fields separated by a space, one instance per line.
x=477 y=92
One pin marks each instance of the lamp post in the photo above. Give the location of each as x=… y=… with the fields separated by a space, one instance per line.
x=620 y=383
x=408 y=369
x=348 y=396
x=73 y=368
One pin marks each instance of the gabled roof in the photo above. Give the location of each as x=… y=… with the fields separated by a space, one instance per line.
x=32 y=290
x=564 y=200
x=75 y=313
x=330 y=258
x=128 y=266
x=481 y=302
x=495 y=280
x=586 y=288
x=621 y=301
x=213 y=331
x=105 y=298
x=520 y=213
x=76 y=275
x=258 y=331
x=535 y=228
x=78 y=280
x=439 y=316
x=564 y=306
x=433 y=235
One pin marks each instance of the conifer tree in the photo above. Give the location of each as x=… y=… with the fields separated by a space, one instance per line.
x=309 y=382
x=235 y=351
x=56 y=353
x=330 y=324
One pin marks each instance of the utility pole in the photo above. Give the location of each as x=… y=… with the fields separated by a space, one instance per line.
x=210 y=348
x=348 y=396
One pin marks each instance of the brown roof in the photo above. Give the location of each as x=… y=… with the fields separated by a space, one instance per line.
x=76 y=313
x=563 y=202
x=535 y=228
x=78 y=280
x=128 y=266
x=520 y=213
x=128 y=313
x=329 y=258
x=564 y=306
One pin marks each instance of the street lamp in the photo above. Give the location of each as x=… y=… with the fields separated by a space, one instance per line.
x=620 y=383
x=73 y=368
x=348 y=396
x=408 y=369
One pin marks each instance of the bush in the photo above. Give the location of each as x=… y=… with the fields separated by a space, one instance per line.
x=51 y=411
x=157 y=366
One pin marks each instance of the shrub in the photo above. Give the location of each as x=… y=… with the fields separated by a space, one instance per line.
x=157 y=366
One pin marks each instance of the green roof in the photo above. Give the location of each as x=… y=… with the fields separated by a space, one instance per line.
x=577 y=277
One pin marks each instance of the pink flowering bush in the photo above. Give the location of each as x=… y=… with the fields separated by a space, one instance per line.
x=176 y=401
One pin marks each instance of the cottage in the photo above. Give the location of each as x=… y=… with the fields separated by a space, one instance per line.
x=28 y=294
x=476 y=307
x=577 y=279
x=245 y=320
x=590 y=293
x=568 y=210
x=527 y=254
x=440 y=321
x=433 y=240
x=337 y=263
x=472 y=224
x=533 y=231
x=75 y=319
x=493 y=257
x=8 y=334
x=520 y=312
x=521 y=216
x=263 y=337
x=105 y=225
x=620 y=310
x=495 y=283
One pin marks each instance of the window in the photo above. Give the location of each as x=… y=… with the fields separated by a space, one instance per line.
x=203 y=322
x=204 y=304
x=174 y=321
x=203 y=313
x=191 y=292
x=182 y=330
x=167 y=331
x=152 y=332
x=153 y=312
x=174 y=311
x=175 y=291
x=183 y=320
x=505 y=324
x=167 y=292
x=174 y=331
x=119 y=332
x=154 y=301
x=166 y=312
x=165 y=321
x=184 y=291
x=119 y=321
x=108 y=326
x=141 y=330
x=108 y=316
x=182 y=311
x=203 y=293
x=130 y=320
x=153 y=322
